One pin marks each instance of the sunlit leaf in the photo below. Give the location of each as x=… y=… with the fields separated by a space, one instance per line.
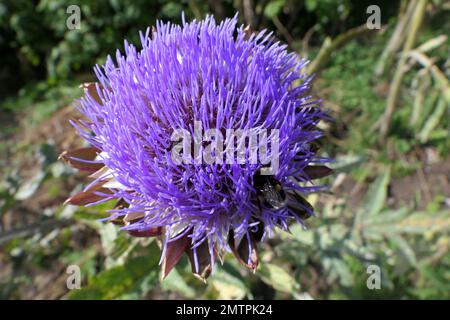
x=277 y=277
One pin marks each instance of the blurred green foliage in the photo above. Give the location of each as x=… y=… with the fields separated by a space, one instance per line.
x=42 y=64
x=36 y=44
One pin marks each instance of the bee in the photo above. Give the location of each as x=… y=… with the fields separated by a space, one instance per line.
x=269 y=191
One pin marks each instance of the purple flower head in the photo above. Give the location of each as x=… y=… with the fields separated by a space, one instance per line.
x=225 y=79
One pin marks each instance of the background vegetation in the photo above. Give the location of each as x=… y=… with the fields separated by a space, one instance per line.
x=388 y=204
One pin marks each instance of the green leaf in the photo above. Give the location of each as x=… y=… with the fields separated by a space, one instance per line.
x=175 y=282
x=228 y=287
x=28 y=188
x=376 y=195
x=137 y=275
x=278 y=278
x=388 y=216
x=405 y=250
x=433 y=120
x=310 y=5
x=347 y=163
x=338 y=270
x=401 y=221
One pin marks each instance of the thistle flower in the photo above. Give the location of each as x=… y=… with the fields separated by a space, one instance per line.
x=223 y=77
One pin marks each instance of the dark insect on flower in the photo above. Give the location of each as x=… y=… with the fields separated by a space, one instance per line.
x=223 y=77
